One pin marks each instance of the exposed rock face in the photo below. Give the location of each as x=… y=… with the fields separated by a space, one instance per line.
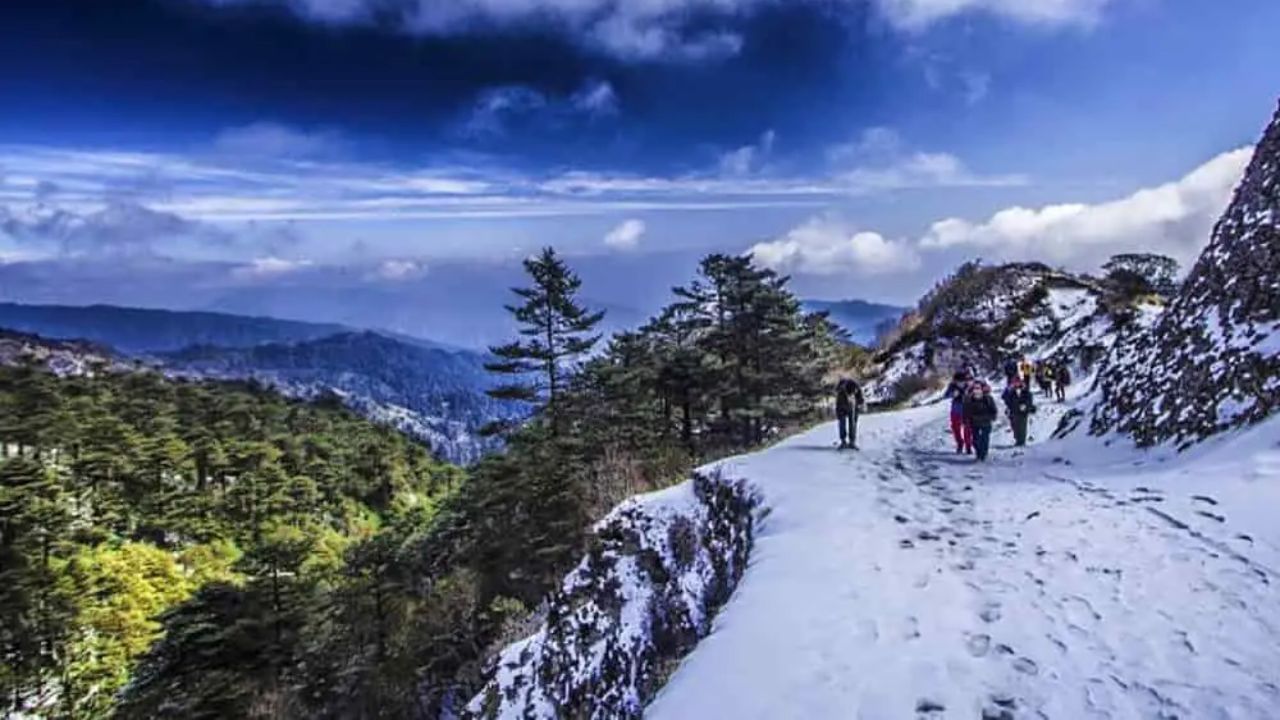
x=661 y=565
x=1212 y=361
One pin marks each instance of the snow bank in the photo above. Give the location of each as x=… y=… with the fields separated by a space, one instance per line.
x=659 y=568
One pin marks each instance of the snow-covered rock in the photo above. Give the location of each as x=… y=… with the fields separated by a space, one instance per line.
x=1212 y=360
x=61 y=357
x=659 y=568
x=983 y=315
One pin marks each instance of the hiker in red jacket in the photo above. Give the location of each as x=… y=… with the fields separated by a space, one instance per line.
x=960 y=429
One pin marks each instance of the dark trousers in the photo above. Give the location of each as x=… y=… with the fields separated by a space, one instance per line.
x=1019 y=423
x=1061 y=392
x=848 y=423
x=981 y=440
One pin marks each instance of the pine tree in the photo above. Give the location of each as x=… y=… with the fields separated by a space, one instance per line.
x=558 y=331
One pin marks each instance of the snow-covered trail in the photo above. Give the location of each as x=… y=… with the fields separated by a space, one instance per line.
x=904 y=581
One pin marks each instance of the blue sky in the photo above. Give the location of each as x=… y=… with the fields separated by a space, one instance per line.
x=865 y=146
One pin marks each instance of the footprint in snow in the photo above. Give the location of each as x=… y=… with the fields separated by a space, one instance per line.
x=928 y=706
x=1026 y=666
x=990 y=612
x=978 y=645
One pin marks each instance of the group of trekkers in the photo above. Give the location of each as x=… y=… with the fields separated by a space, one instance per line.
x=973 y=409
x=1052 y=379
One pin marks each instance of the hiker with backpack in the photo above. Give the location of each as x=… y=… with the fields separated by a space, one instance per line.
x=1010 y=369
x=1045 y=378
x=980 y=412
x=1020 y=404
x=960 y=429
x=849 y=404
x=1025 y=370
x=1062 y=380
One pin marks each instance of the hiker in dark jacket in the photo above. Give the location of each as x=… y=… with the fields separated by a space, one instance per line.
x=980 y=411
x=960 y=429
x=1010 y=369
x=1019 y=403
x=1061 y=382
x=849 y=403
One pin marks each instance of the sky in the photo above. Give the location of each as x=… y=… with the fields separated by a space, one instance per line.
x=248 y=154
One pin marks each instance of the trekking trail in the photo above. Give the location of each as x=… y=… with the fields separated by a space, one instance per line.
x=905 y=581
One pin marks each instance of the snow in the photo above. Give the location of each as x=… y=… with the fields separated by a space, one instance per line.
x=1071 y=579
x=662 y=564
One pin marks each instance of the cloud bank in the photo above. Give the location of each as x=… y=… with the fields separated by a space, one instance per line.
x=1174 y=219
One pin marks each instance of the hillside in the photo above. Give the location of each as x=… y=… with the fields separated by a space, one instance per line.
x=132 y=502
x=1212 y=361
x=983 y=315
x=433 y=394
x=864 y=321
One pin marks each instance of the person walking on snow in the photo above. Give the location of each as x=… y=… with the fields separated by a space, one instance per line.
x=960 y=429
x=980 y=412
x=849 y=403
x=1010 y=369
x=1044 y=379
x=1062 y=381
x=1025 y=370
x=1020 y=404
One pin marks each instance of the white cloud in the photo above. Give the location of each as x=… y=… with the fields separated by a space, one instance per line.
x=1175 y=219
x=269 y=267
x=880 y=160
x=497 y=106
x=826 y=245
x=226 y=189
x=267 y=139
x=626 y=236
x=919 y=14
x=398 y=270
x=596 y=98
x=748 y=158
x=665 y=30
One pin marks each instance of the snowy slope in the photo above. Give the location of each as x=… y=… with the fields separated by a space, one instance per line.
x=1212 y=362
x=1014 y=310
x=1058 y=582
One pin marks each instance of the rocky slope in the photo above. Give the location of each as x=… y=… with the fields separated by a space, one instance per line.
x=983 y=315
x=660 y=567
x=1212 y=360
x=61 y=357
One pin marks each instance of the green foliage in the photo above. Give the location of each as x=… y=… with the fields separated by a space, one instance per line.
x=194 y=550
x=124 y=497
x=1133 y=275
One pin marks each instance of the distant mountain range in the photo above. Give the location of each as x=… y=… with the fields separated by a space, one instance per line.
x=863 y=320
x=142 y=330
x=430 y=391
